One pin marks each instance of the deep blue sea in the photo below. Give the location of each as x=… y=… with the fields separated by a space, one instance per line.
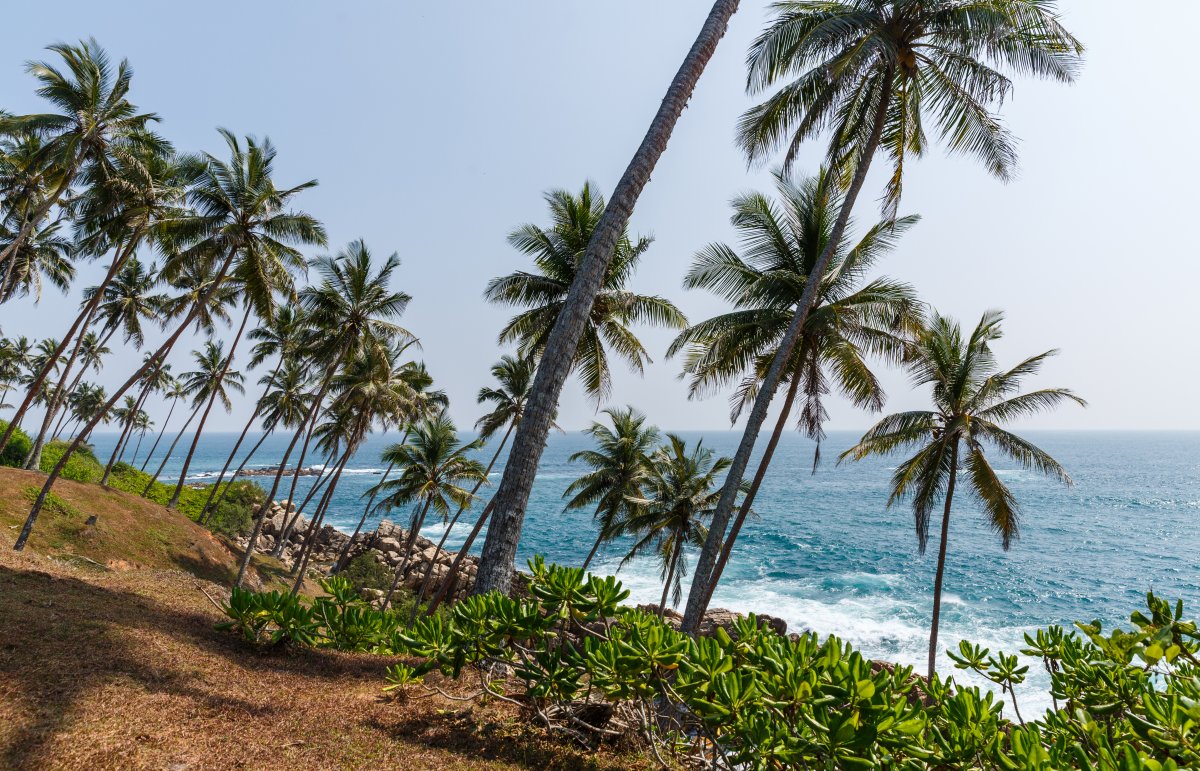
x=826 y=554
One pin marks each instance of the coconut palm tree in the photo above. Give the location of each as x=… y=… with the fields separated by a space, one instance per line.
x=351 y=308
x=557 y=252
x=873 y=74
x=561 y=346
x=128 y=301
x=240 y=212
x=43 y=256
x=15 y=356
x=681 y=491
x=782 y=239
x=92 y=353
x=435 y=467
x=157 y=379
x=172 y=391
x=620 y=466
x=281 y=337
x=514 y=378
x=86 y=403
x=211 y=381
x=972 y=399
x=94 y=127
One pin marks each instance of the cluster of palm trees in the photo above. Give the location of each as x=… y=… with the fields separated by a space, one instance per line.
x=200 y=243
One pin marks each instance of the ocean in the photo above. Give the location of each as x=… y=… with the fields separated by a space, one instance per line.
x=826 y=554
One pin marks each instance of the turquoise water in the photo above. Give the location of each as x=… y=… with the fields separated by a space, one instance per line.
x=826 y=554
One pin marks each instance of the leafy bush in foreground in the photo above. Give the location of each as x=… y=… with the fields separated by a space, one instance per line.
x=82 y=466
x=589 y=668
x=18 y=446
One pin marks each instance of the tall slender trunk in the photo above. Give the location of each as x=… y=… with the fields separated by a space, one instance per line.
x=238 y=444
x=237 y=472
x=170 y=451
x=161 y=431
x=261 y=515
x=941 y=565
x=76 y=327
x=345 y=553
x=500 y=547
x=137 y=447
x=748 y=500
x=212 y=399
x=766 y=392
x=454 y=520
x=162 y=352
x=595 y=548
x=314 y=527
x=410 y=542
x=444 y=590
x=119 y=451
x=662 y=604
x=327 y=471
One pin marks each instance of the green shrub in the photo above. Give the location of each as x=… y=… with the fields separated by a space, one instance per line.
x=18 y=447
x=234 y=515
x=366 y=572
x=82 y=466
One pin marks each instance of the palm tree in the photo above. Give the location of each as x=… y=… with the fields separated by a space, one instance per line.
x=92 y=353
x=557 y=252
x=99 y=137
x=87 y=402
x=620 y=466
x=173 y=391
x=434 y=467
x=782 y=240
x=681 y=491
x=514 y=378
x=972 y=398
x=240 y=212
x=157 y=378
x=559 y=352
x=15 y=357
x=282 y=337
x=96 y=124
x=210 y=382
x=42 y=256
x=867 y=70
x=127 y=301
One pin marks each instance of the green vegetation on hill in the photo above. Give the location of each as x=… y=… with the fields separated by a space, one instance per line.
x=18 y=447
x=232 y=516
x=82 y=466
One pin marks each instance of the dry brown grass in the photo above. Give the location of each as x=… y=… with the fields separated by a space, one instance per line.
x=104 y=668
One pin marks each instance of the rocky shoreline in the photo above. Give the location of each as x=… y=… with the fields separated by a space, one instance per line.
x=386 y=545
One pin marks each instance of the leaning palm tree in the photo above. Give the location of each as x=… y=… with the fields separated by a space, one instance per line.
x=212 y=381
x=240 y=213
x=781 y=241
x=681 y=491
x=972 y=399
x=91 y=356
x=94 y=125
x=157 y=379
x=620 y=466
x=498 y=563
x=557 y=252
x=514 y=378
x=435 y=466
x=172 y=391
x=43 y=257
x=873 y=74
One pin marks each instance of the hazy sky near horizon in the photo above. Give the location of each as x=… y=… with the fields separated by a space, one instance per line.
x=434 y=130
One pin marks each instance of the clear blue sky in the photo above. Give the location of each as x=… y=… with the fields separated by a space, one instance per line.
x=434 y=129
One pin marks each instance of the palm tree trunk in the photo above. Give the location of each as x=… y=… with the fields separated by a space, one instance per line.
x=327 y=471
x=766 y=392
x=161 y=431
x=748 y=501
x=261 y=515
x=162 y=352
x=119 y=451
x=237 y=472
x=444 y=589
x=500 y=547
x=171 y=450
x=341 y=560
x=315 y=525
x=592 y=554
x=77 y=326
x=238 y=444
x=454 y=521
x=137 y=447
x=662 y=605
x=941 y=565
x=212 y=399
x=417 y=523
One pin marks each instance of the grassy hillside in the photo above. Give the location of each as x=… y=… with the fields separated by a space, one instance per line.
x=105 y=669
x=130 y=532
